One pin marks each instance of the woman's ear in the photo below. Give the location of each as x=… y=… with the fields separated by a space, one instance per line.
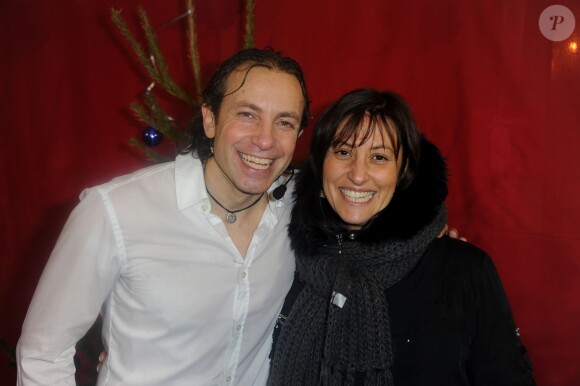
x=208 y=121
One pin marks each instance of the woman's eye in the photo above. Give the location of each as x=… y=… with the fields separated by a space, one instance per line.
x=380 y=157
x=341 y=152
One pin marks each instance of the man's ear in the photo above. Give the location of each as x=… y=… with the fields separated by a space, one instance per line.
x=208 y=120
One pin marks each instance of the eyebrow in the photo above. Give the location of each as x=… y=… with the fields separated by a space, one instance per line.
x=286 y=114
x=379 y=147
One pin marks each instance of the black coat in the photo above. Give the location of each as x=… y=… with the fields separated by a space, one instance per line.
x=451 y=323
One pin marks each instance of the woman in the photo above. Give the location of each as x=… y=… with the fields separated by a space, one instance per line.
x=378 y=299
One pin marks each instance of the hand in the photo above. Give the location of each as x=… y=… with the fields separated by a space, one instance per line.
x=453 y=233
x=102 y=357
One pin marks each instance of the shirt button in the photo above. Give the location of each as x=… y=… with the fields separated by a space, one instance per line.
x=238 y=327
x=204 y=208
x=243 y=275
x=228 y=378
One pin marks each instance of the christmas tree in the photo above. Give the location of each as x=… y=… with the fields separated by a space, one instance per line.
x=159 y=123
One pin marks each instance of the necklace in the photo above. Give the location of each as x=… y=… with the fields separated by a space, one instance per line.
x=231 y=216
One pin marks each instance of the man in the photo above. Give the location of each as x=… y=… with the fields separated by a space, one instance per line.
x=188 y=262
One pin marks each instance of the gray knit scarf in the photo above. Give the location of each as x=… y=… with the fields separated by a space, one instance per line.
x=325 y=344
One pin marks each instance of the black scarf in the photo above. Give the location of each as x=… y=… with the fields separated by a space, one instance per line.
x=330 y=343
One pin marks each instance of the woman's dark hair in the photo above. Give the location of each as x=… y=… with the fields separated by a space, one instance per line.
x=357 y=115
x=214 y=92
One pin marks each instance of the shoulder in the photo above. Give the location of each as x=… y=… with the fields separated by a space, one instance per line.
x=457 y=250
x=141 y=176
x=147 y=176
x=458 y=258
x=463 y=265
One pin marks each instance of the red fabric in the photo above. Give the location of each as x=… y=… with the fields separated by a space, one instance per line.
x=498 y=98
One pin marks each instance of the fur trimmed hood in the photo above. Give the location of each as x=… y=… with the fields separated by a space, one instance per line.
x=409 y=211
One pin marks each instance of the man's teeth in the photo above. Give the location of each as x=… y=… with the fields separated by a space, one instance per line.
x=357 y=196
x=255 y=162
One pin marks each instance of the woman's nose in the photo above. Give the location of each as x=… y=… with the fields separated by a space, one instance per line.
x=358 y=171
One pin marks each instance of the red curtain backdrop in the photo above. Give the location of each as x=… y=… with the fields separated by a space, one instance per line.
x=500 y=99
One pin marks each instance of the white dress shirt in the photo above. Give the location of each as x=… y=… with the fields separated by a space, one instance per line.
x=180 y=305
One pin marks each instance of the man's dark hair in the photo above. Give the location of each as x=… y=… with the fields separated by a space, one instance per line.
x=214 y=92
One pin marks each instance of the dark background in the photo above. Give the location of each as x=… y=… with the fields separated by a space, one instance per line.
x=500 y=99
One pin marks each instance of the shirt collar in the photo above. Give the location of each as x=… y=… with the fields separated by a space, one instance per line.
x=190 y=184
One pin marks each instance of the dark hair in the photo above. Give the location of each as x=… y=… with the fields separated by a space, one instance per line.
x=344 y=119
x=214 y=92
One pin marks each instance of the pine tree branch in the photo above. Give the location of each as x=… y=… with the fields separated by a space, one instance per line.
x=193 y=49
x=147 y=116
x=249 y=37
x=147 y=151
x=155 y=116
x=144 y=59
x=165 y=81
x=154 y=63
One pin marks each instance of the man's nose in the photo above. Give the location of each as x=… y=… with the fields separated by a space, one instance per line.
x=264 y=135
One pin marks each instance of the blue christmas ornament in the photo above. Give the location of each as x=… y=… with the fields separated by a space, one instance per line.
x=152 y=137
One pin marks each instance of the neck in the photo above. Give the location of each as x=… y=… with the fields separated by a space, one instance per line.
x=223 y=191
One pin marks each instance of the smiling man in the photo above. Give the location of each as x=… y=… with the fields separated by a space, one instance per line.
x=254 y=134
x=188 y=262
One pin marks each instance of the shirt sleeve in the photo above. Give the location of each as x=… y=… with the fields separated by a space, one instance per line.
x=77 y=279
x=498 y=356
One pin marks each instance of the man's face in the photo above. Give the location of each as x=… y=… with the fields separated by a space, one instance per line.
x=257 y=128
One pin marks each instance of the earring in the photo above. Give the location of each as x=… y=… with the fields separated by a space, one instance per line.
x=322 y=194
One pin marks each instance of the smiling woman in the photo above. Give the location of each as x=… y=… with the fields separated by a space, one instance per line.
x=360 y=175
x=377 y=298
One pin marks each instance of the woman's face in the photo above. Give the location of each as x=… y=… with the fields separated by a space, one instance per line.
x=359 y=179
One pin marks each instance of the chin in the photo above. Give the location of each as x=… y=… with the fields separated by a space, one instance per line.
x=255 y=189
x=355 y=223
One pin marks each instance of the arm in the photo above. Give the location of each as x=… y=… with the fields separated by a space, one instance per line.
x=77 y=279
x=498 y=356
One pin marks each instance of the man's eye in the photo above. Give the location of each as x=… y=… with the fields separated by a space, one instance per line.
x=246 y=114
x=287 y=124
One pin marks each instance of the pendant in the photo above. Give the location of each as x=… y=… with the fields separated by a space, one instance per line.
x=231 y=218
